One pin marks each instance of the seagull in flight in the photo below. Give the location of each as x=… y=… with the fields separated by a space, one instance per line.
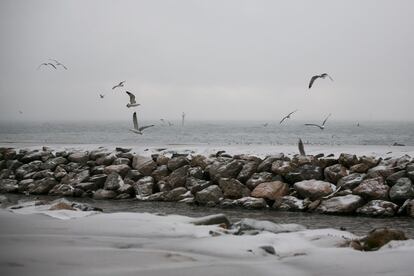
x=101 y=96
x=301 y=147
x=322 y=76
x=58 y=63
x=137 y=129
x=132 y=101
x=121 y=84
x=287 y=116
x=320 y=126
x=46 y=64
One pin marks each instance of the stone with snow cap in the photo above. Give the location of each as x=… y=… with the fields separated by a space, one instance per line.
x=265 y=225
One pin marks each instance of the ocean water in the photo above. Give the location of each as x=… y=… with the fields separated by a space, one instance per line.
x=207 y=133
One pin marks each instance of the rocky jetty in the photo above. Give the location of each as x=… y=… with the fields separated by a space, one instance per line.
x=345 y=185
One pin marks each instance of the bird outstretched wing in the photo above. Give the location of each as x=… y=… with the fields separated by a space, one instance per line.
x=131 y=97
x=135 y=121
x=324 y=75
x=312 y=80
x=51 y=64
x=326 y=119
x=284 y=118
x=144 y=127
x=315 y=125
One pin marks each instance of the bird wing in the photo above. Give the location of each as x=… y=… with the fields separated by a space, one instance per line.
x=314 y=125
x=324 y=75
x=312 y=80
x=131 y=97
x=41 y=65
x=121 y=83
x=301 y=147
x=115 y=87
x=284 y=118
x=51 y=64
x=326 y=119
x=144 y=127
x=63 y=66
x=135 y=120
x=292 y=112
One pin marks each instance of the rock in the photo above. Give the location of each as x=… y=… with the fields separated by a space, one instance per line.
x=313 y=189
x=210 y=194
x=378 y=208
x=88 y=186
x=410 y=208
x=162 y=186
x=300 y=160
x=281 y=167
x=178 y=177
x=217 y=219
x=350 y=181
x=59 y=173
x=233 y=189
x=177 y=194
x=195 y=185
x=305 y=172
x=340 y=204
x=144 y=165
x=247 y=171
x=227 y=170
x=162 y=160
x=266 y=165
x=380 y=171
x=98 y=153
x=106 y=159
x=270 y=190
x=32 y=156
x=196 y=172
x=12 y=164
x=104 y=194
x=123 y=150
x=82 y=176
x=334 y=173
x=122 y=169
x=410 y=171
x=379 y=237
x=9 y=153
x=113 y=182
x=144 y=187
x=79 y=157
x=24 y=185
x=373 y=188
x=51 y=164
x=43 y=186
x=97 y=170
x=258 y=178
x=326 y=162
x=72 y=167
x=132 y=176
x=289 y=203
x=402 y=162
x=62 y=206
x=62 y=190
x=268 y=249
x=177 y=162
x=347 y=160
x=28 y=168
x=393 y=178
x=42 y=174
x=98 y=180
x=8 y=186
x=359 y=168
x=365 y=163
x=402 y=190
x=160 y=173
x=126 y=190
x=251 y=203
x=264 y=225
x=200 y=161
x=122 y=161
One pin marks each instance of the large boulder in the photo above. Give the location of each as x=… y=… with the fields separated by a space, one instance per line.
x=380 y=171
x=378 y=208
x=372 y=188
x=305 y=172
x=210 y=194
x=289 y=203
x=195 y=185
x=392 y=179
x=347 y=160
x=178 y=177
x=24 y=185
x=335 y=172
x=402 y=190
x=379 y=237
x=32 y=156
x=410 y=171
x=12 y=164
x=98 y=179
x=351 y=181
x=258 y=178
x=247 y=171
x=73 y=179
x=280 y=167
x=122 y=169
x=340 y=204
x=266 y=164
x=43 y=186
x=177 y=162
x=196 y=172
x=113 y=182
x=8 y=186
x=162 y=160
x=410 y=208
x=79 y=157
x=51 y=164
x=144 y=165
x=160 y=173
x=233 y=189
x=144 y=187
x=219 y=170
x=200 y=161
x=271 y=190
x=27 y=168
x=177 y=194
x=313 y=189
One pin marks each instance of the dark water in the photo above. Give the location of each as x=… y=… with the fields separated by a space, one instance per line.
x=356 y=224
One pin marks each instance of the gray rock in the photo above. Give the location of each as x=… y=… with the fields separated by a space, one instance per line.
x=373 y=188
x=410 y=171
x=270 y=190
x=51 y=164
x=348 y=160
x=380 y=171
x=106 y=159
x=160 y=173
x=410 y=208
x=98 y=180
x=79 y=157
x=97 y=170
x=225 y=170
x=247 y=171
x=98 y=153
x=123 y=150
x=177 y=162
x=88 y=186
x=162 y=160
x=300 y=160
x=251 y=203
x=264 y=225
x=266 y=165
x=122 y=169
x=212 y=220
x=340 y=205
x=196 y=172
x=402 y=162
x=305 y=172
x=104 y=194
x=28 y=168
x=314 y=189
x=42 y=174
x=113 y=182
x=289 y=203
x=144 y=187
x=82 y=176
x=178 y=177
x=402 y=190
x=334 y=173
x=12 y=164
x=62 y=190
x=351 y=181
x=59 y=173
x=393 y=178
x=210 y=194
x=233 y=189
x=195 y=185
x=24 y=184
x=8 y=186
x=326 y=162
x=126 y=189
x=122 y=161
x=32 y=156
x=162 y=186
x=132 y=176
x=43 y=186
x=177 y=194
x=72 y=167
x=281 y=167
x=378 y=208
x=200 y=161
x=144 y=165
x=258 y=178
x=9 y=153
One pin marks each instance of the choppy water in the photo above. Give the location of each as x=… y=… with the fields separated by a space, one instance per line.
x=217 y=133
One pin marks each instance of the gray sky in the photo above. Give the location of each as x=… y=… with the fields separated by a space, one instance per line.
x=230 y=60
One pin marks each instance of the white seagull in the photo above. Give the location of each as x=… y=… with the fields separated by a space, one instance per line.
x=58 y=63
x=322 y=76
x=121 y=84
x=132 y=101
x=322 y=127
x=136 y=129
x=287 y=116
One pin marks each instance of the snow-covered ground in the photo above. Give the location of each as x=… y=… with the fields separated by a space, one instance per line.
x=35 y=241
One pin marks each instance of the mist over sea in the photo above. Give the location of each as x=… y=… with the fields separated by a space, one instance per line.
x=207 y=133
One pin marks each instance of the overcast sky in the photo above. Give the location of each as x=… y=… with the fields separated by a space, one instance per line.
x=215 y=60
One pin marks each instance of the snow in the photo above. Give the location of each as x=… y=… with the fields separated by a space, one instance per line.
x=147 y=244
